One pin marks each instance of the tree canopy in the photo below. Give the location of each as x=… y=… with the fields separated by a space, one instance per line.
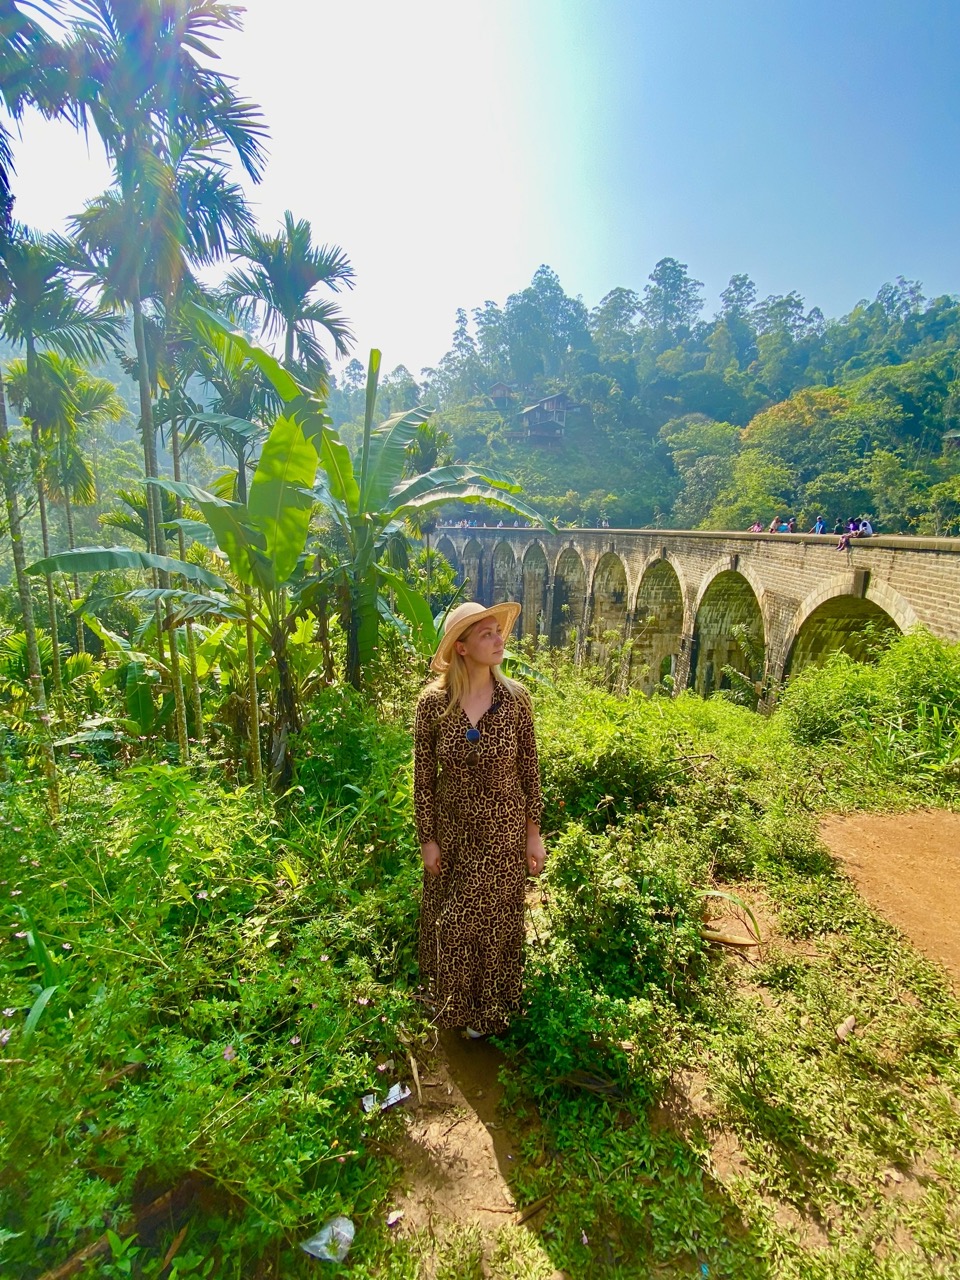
x=673 y=419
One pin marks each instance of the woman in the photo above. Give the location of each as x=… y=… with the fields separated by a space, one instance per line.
x=477 y=807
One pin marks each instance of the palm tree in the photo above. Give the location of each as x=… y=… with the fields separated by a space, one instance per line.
x=140 y=76
x=67 y=401
x=276 y=290
x=166 y=121
x=140 y=247
x=42 y=310
x=242 y=404
x=38 y=697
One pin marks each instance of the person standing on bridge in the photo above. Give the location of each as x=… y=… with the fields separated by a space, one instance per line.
x=477 y=807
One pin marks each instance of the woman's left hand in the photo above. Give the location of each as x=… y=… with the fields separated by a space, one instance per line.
x=536 y=854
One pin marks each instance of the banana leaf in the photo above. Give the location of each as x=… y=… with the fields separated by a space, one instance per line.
x=187 y=604
x=414 y=608
x=388 y=451
x=276 y=503
x=102 y=559
x=279 y=378
x=443 y=477
x=466 y=492
x=196 y=530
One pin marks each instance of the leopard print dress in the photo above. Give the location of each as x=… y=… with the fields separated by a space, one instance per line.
x=471 y=915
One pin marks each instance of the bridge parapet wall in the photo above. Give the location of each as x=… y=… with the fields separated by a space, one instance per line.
x=794 y=578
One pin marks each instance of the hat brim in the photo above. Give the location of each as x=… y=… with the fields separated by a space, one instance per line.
x=506 y=614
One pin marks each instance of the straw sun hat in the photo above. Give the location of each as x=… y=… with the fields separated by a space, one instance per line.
x=463 y=618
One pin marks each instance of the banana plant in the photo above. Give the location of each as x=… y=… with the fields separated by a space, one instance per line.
x=370 y=500
x=262 y=540
x=373 y=501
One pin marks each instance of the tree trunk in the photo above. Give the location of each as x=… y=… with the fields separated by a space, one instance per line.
x=179 y=703
x=320 y=611
x=35 y=676
x=253 y=698
x=364 y=630
x=44 y=531
x=181 y=543
x=71 y=543
x=286 y=720
x=149 y=440
x=242 y=476
x=155 y=540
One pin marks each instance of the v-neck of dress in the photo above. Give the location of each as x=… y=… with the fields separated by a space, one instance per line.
x=494 y=703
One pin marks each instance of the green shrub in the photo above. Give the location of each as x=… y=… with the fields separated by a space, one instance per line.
x=627 y=908
x=821 y=704
x=897 y=720
x=218 y=1004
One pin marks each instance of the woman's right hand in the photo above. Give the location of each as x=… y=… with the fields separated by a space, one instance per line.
x=430 y=852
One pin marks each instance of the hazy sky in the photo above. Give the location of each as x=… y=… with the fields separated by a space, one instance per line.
x=451 y=146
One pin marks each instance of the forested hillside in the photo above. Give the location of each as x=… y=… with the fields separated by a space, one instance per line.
x=766 y=408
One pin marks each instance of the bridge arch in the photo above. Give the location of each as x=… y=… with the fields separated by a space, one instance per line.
x=609 y=594
x=534 y=587
x=471 y=567
x=449 y=552
x=657 y=624
x=504 y=579
x=835 y=618
x=728 y=631
x=569 y=595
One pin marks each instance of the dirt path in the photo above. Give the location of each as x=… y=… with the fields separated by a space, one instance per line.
x=456 y=1155
x=907 y=866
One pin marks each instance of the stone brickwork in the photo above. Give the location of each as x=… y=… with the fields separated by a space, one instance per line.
x=693 y=603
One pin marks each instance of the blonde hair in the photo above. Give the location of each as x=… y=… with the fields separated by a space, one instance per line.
x=455 y=683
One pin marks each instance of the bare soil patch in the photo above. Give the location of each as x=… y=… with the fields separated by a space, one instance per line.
x=455 y=1154
x=907 y=866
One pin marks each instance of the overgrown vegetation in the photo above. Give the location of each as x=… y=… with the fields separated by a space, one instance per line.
x=201 y=980
x=198 y=991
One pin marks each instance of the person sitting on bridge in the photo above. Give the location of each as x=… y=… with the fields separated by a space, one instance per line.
x=774 y=525
x=838 y=527
x=863 y=529
x=792 y=525
x=756 y=527
x=819 y=525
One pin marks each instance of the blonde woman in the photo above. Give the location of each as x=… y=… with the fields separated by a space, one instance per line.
x=477 y=807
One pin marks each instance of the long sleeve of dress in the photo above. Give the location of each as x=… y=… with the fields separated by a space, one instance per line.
x=528 y=764
x=424 y=771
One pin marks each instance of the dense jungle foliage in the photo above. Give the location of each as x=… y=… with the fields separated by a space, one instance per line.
x=765 y=409
x=200 y=987
x=208 y=876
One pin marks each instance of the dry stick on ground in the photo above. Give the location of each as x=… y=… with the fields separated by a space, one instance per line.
x=174 y=1249
x=416 y=1077
x=133 y=1226
x=532 y=1210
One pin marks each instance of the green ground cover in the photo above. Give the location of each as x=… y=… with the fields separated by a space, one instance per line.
x=198 y=991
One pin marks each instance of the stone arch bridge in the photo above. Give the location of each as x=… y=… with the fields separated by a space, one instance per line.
x=696 y=604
